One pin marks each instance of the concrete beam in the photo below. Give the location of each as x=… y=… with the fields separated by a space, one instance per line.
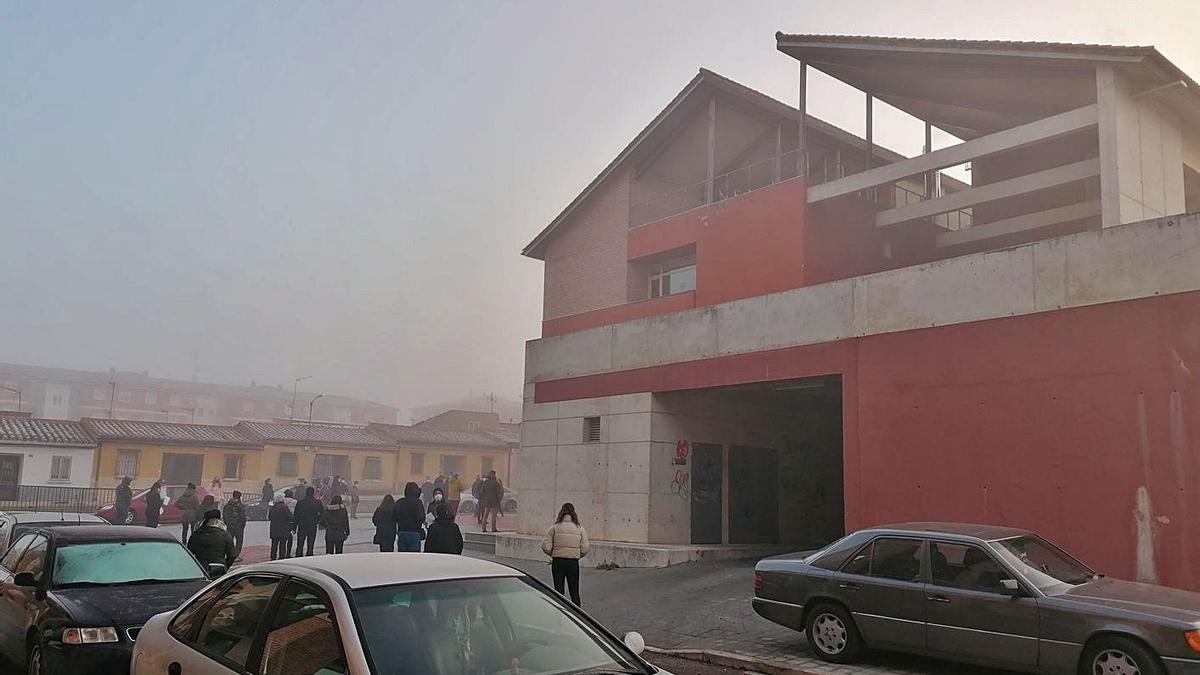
x=1002 y=141
x=988 y=193
x=1110 y=177
x=1029 y=221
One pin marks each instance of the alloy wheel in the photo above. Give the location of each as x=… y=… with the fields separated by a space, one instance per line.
x=35 y=660
x=1114 y=662
x=829 y=634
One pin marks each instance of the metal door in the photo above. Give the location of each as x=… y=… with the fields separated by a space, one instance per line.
x=178 y=469
x=753 y=495
x=10 y=476
x=707 y=478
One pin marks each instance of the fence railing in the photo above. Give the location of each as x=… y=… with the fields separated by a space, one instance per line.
x=54 y=498
x=728 y=185
x=890 y=196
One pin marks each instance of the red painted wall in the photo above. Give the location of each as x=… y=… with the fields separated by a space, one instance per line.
x=1052 y=422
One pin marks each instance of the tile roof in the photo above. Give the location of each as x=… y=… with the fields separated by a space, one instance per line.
x=406 y=435
x=34 y=431
x=166 y=432
x=1021 y=45
x=323 y=434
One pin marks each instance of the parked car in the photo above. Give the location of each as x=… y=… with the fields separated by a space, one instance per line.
x=13 y=525
x=381 y=613
x=990 y=595
x=72 y=599
x=256 y=508
x=137 y=507
x=509 y=503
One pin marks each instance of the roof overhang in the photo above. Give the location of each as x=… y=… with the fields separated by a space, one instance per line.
x=970 y=88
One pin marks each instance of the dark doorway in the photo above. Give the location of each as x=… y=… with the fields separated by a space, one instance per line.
x=331 y=465
x=707 y=479
x=10 y=476
x=178 y=469
x=753 y=495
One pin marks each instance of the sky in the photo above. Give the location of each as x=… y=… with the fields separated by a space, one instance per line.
x=260 y=191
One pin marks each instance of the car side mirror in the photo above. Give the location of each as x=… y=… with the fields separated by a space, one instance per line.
x=216 y=570
x=25 y=579
x=635 y=642
x=1011 y=588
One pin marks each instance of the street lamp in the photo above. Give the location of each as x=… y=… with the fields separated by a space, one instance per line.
x=295 y=383
x=310 y=407
x=16 y=391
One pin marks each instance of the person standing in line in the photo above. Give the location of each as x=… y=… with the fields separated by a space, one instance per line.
x=280 y=518
x=385 y=526
x=338 y=488
x=491 y=495
x=354 y=499
x=234 y=515
x=337 y=525
x=453 y=493
x=566 y=542
x=444 y=534
x=122 y=500
x=289 y=498
x=154 y=504
x=477 y=493
x=187 y=505
x=268 y=493
x=211 y=542
x=438 y=499
x=217 y=490
x=307 y=517
x=409 y=516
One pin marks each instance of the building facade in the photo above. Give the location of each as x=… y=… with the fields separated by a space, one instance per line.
x=744 y=347
x=294 y=451
x=45 y=452
x=175 y=453
x=425 y=453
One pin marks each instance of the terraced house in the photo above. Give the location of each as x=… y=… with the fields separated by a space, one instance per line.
x=759 y=329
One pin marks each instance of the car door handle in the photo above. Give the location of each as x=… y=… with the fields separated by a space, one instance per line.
x=848 y=587
x=937 y=598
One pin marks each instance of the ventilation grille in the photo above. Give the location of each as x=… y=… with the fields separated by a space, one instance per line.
x=591 y=430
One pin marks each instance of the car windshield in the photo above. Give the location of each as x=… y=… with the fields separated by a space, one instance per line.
x=123 y=562
x=500 y=626
x=1042 y=563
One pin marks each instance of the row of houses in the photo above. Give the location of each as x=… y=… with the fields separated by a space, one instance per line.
x=99 y=452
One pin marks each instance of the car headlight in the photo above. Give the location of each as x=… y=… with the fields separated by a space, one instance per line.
x=89 y=636
x=1193 y=639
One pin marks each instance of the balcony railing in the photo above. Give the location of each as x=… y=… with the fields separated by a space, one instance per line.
x=890 y=196
x=725 y=186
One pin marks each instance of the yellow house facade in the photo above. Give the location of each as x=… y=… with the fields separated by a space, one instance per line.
x=424 y=454
x=294 y=451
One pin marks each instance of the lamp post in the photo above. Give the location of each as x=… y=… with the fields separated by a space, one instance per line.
x=16 y=391
x=310 y=408
x=295 y=383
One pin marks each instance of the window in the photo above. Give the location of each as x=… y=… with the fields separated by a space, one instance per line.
x=486 y=464
x=127 y=463
x=416 y=464
x=966 y=567
x=473 y=425
x=1041 y=562
x=151 y=398
x=185 y=623
x=99 y=394
x=887 y=558
x=303 y=636
x=591 y=430
x=57 y=399
x=176 y=400
x=233 y=466
x=452 y=463
x=124 y=397
x=372 y=468
x=60 y=468
x=227 y=630
x=289 y=464
x=14 y=553
x=33 y=560
x=669 y=278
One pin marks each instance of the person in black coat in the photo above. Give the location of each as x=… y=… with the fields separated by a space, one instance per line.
x=409 y=516
x=280 y=517
x=234 y=515
x=385 y=527
x=307 y=518
x=444 y=534
x=337 y=525
x=211 y=542
x=154 y=504
x=268 y=492
x=123 y=499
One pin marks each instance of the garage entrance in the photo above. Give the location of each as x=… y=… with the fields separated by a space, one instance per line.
x=766 y=461
x=181 y=469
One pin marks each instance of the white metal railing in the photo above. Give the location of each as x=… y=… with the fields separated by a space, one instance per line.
x=728 y=185
x=831 y=168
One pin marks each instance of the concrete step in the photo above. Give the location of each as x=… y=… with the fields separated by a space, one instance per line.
x=483 y=542
x=624 y=554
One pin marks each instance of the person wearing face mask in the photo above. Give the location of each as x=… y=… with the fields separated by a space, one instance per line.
x=439 y=497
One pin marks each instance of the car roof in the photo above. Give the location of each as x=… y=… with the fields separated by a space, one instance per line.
x=50 y=517
x=365 y=570
x=85 y=534
x=972 y=530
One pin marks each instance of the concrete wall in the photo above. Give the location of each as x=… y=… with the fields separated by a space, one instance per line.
x=36 y=461
x=1136 y=260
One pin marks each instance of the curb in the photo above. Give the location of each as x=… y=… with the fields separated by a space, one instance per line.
x=728 y=660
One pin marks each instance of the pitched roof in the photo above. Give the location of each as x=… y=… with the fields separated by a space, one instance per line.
x=316 y=434
x=166 y=432
x=34 y=431
x=406 y=435
x=699 y=89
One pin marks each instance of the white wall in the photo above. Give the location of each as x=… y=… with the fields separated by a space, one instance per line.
x=37 y=459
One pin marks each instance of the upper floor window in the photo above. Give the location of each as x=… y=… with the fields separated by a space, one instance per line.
x=667 y=280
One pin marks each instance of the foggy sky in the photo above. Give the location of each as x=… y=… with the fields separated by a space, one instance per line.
x=342 y=190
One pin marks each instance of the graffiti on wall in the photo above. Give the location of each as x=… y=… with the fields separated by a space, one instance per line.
x=679 y=485
x=683 y=449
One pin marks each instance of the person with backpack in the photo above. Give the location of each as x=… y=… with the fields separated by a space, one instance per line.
x=444 y=534
x=337 y=525
x=385 y=526
x=187 y=505
x=566 y=542
x=409 y=516
x=234 y=515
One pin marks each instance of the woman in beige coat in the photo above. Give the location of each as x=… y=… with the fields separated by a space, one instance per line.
x=566 y=542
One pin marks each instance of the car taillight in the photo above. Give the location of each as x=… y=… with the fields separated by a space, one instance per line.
x=1193 y=639
x=758 y=582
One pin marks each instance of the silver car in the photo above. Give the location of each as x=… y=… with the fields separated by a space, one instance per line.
x=995 y=596
x=381 y=613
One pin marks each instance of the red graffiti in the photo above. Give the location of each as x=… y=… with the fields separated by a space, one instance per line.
x=682 y=450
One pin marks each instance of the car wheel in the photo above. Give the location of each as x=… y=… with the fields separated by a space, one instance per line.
x=833 y=635
x=35 y=659
x=1119 y=656
x=467 y=507
x=510 y=506
x=130 y=517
